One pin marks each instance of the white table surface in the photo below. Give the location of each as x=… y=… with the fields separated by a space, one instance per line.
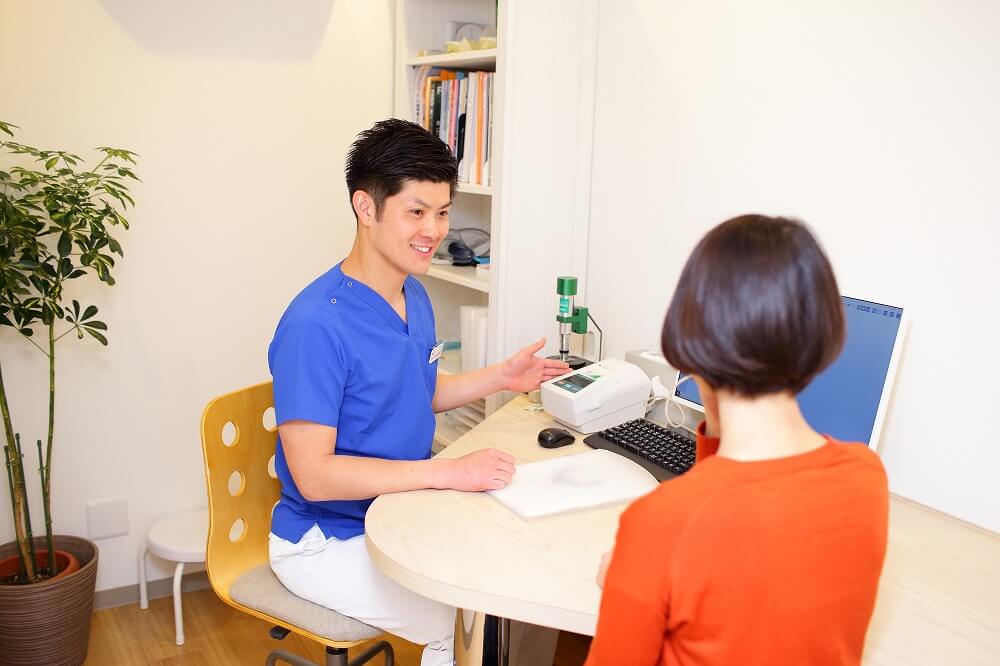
x=939 y=599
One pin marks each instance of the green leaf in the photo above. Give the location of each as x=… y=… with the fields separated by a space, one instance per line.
x=119 y=153
x=65 y=244
x=57 y=196
x=98 y=336
x=48 y=313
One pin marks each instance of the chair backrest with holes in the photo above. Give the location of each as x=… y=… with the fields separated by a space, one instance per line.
x=238 y=440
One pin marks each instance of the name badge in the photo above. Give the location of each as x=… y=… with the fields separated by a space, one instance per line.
x=436 y=352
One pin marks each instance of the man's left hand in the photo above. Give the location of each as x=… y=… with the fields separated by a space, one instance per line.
x=524 y=371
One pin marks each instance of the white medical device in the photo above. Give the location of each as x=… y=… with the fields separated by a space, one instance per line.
x=597 y=396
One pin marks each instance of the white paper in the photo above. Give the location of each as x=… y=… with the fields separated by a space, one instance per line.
x=580 y=481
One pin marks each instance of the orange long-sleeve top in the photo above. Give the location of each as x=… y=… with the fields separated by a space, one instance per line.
x=751 y=563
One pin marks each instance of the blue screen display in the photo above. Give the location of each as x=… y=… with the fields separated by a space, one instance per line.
x=689 y=391
x=842 y=401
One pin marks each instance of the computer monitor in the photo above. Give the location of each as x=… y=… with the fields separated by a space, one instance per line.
x=849 y=399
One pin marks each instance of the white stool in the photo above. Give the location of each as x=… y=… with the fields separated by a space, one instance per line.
x=179 y=538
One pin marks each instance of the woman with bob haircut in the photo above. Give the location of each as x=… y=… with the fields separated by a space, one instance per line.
x=769 y=550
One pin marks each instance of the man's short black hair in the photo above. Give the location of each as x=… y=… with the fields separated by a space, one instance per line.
x=756 y=310
x=392 y=152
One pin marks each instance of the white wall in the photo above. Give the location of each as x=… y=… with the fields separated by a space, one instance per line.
x=242 y=113
x=544 y=145
x=876 y=123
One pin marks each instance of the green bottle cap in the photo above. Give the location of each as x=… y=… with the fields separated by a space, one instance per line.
x=566 y=285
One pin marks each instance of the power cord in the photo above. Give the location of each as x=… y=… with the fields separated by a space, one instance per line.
x=600 y=348
x=660 y=393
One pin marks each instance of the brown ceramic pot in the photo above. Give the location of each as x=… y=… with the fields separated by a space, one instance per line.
x=48 y=623
x=66 y=563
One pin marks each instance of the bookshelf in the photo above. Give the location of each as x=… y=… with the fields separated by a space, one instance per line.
x=465 y=276
x=450 y=363
x=456 y=422
x=537 y=204
x=469 y=188
x=425 y=25
x=483 y=59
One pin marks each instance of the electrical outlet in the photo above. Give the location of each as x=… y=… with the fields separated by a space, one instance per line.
x=107 y=517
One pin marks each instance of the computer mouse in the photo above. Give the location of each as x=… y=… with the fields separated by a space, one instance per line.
x=553 y=438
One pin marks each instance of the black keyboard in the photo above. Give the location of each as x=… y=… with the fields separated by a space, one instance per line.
x=663 y=452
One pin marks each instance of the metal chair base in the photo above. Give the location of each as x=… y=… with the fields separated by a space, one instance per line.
x=334 y=656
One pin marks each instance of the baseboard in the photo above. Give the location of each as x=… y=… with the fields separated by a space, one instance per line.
x=129 y=594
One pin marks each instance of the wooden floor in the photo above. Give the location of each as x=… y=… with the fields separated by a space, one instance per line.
x=217 y=635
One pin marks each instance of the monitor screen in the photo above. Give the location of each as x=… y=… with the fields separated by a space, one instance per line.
x=689 y=391
x=843 y=400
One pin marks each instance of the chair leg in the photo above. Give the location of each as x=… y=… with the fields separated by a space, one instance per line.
x=503 y=658
x=178 y=611
x=288 y=658
x=336 y=656
x=368 y=654
x=143 y=595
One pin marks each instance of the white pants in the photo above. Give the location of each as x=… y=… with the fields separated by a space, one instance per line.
x=340 y=576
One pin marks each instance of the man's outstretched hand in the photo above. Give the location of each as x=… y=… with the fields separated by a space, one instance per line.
x=524 y=371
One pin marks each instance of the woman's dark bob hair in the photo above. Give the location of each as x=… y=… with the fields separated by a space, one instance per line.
x=756 y=310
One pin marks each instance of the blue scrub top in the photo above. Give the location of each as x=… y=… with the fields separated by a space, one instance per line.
x=342 y=357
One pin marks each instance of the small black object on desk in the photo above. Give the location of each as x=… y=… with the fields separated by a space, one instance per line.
x=553 y=438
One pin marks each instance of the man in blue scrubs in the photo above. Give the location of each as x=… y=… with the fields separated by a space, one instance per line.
x=354 y=362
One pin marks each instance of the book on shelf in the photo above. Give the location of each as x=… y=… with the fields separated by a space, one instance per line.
x=489 y=134
x=457 y=107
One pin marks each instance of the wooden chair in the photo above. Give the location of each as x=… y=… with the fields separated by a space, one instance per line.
x=243 y=489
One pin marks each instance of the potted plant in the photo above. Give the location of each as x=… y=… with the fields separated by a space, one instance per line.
x=56 y=219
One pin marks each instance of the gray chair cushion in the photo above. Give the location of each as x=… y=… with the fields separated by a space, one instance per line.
x=261 y=590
